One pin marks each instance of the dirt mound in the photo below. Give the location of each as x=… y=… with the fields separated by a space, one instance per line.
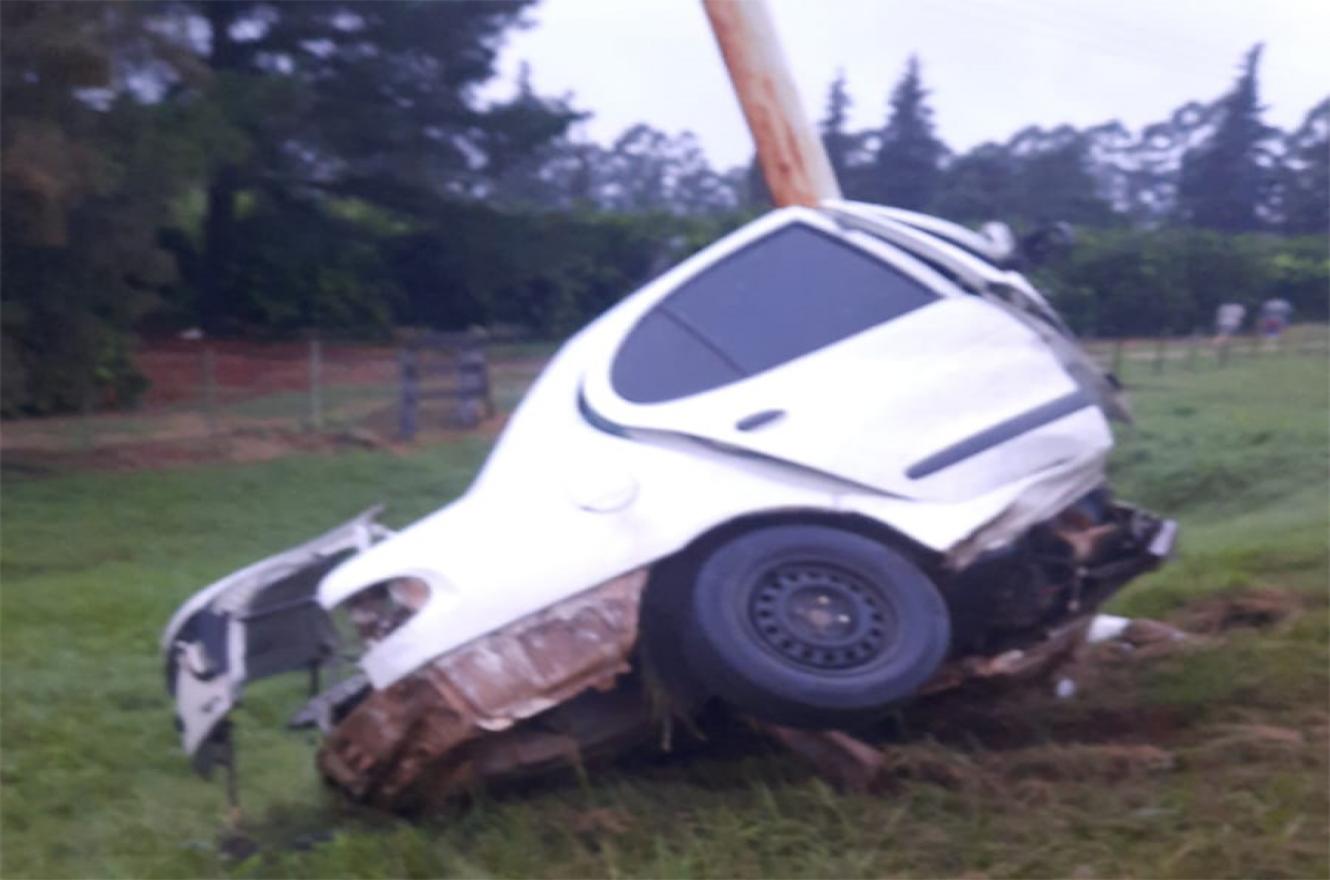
x=1260 y=607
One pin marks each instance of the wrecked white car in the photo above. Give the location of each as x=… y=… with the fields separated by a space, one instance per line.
x=805 y=473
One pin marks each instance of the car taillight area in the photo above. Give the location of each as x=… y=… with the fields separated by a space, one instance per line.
x=377 y=611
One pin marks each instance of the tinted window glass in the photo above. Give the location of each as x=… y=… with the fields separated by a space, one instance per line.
x=781 y=297
x=661 y=360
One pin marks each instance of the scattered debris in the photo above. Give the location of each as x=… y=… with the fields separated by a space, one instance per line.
x=845 y=762
x=1105 y=627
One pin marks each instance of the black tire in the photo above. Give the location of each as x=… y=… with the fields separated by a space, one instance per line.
x=813 y=626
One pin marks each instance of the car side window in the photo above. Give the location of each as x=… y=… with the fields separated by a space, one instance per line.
x=783 y=296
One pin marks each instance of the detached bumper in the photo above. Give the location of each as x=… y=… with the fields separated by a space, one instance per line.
x=261 y=621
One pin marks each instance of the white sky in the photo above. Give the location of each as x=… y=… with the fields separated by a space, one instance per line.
x=992 y=66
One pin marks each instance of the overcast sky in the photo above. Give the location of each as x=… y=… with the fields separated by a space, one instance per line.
x=992 y=66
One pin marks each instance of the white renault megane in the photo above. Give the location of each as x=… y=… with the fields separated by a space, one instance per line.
x=798 y=474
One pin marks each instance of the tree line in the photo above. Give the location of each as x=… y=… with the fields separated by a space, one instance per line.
x=266 y=169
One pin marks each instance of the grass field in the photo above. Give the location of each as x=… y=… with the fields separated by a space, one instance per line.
x=1206 y=762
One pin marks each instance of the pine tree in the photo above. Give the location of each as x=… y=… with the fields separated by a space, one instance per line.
x=1304 y=190
x=909 y=158
x=1227 y=179
x=835 y=138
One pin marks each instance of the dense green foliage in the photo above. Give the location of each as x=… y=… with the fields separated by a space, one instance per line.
x=1138 y=282
x=94 y=783
x=256 y=168
x=88 y=178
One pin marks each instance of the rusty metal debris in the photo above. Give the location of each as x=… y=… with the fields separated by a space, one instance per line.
x=459 y=719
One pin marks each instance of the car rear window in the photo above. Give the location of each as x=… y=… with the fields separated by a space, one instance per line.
x=786 y=295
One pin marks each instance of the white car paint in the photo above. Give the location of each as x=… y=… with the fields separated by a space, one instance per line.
x=562 y=504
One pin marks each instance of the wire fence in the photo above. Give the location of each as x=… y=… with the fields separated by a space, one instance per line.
x=246 y=396
x=245 y=400
x=1158 y=355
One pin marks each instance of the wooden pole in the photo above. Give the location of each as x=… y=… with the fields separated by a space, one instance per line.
x=410 y=392
x=85 y=441
x=315 y=384
x=210 y=391
x=791 y=154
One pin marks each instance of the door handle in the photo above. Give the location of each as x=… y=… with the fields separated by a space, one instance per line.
x=759 y=419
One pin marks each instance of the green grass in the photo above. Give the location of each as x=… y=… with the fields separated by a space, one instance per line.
x=1241 y=455
x=94 y=784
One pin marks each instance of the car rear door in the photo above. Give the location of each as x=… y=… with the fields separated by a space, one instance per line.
x=832 y=350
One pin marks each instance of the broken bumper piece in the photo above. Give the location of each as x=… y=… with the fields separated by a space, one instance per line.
x=261 y=621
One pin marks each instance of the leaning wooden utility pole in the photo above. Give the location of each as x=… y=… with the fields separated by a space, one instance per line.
x=797 y=170
x=789 y=150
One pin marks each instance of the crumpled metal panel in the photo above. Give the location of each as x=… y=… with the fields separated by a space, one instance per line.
x=413 y=736
x=541 y=661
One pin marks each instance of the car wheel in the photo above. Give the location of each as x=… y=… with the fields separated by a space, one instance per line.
x=813 y=626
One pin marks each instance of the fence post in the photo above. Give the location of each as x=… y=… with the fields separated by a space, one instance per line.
x=210 y=390
x=1160 y=350
x=409 y=369
x=1193 y=347
x=85 y=440
x=474 y=400
x=315 y=384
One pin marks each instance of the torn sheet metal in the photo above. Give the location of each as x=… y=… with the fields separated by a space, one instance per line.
x=407 y=737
